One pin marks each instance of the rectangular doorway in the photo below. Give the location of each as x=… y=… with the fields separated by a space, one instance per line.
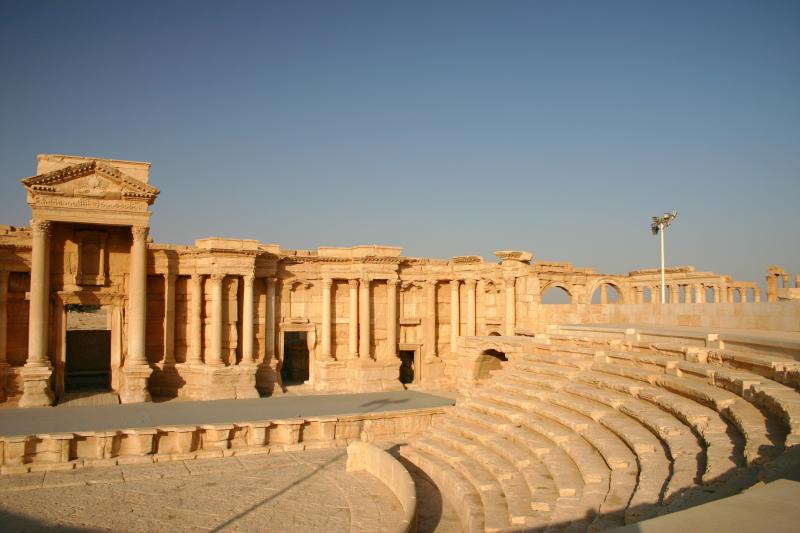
x=88 y=361
x=294 y=368
x=407 y=366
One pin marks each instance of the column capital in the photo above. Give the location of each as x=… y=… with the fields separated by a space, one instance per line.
x=41 y=227
x=353 y=283
x=249 y=279
x=216 y=279
x=470 y=283
x=170 y=276
x=365 y=280
x=454 y=283
x=327 y=282
x=431 y=282
x=392 y=282
x=140 y=232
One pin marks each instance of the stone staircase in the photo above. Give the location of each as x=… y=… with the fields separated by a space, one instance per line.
x=590 y=432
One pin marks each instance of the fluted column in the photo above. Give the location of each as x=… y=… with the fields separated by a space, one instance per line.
x=429 y=320
x=327 y=284
x=270 y=318
x=511 y=306
x=137 y=297
x=364 y=319
x=214 y=354
x=196 y=352
x=248 y=356
x=352 y=332
x=169 y=318
x=391 y=319
x=470 y=284
x=38 y=310
x=455 y=318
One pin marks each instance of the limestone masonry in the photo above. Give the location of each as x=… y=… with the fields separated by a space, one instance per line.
x=582 y=416
x=88 y=302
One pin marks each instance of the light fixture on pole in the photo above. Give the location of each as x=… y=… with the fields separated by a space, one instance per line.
x=658 y=225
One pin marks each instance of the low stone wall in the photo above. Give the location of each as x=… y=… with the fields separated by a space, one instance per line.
x=364 y=456
x=777 y=316
x=65 y=451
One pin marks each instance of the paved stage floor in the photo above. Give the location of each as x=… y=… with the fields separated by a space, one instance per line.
x=112 y=417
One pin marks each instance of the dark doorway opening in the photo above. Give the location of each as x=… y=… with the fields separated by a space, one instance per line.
x=489 y=361
x=294 y=369
x=88 y=365
x=406 y=366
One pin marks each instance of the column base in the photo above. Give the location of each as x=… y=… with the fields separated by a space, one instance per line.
x=267 y=380
x=36 y=390
x=133 y=383
x=207 y=382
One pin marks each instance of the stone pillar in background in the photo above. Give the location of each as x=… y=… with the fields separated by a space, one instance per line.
x=4 y=275
x=352 y=332
x=270 y=319
x=169 y=318
x=655 y=294
x=391 y=319
x=674 y=294
x=470 y=284
x=716 y=290
x=700 y=293
x=429 y=319
x=604 y=294
x=639 y=295
x=327 y=284
x=687 y=294
x=196 y=321
x=757 y=295
x=364 y=319
x=214 y=353
x=511 y=306
x=455 y=318
x=136 y=370
x=248 y=355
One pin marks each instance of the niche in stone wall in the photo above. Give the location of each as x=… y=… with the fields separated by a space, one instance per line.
x=298 y=295
x=91 y=268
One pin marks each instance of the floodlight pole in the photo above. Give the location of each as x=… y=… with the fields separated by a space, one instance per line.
x=663 y=281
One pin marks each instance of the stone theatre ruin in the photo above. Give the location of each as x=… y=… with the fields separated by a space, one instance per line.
x=596 y=412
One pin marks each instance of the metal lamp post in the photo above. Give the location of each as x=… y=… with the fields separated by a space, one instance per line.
x=658 y=225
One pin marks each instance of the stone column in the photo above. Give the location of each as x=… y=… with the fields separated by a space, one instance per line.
x=38 y=310
x=327 y=284
x=511 y=306
x=248 y=355
x=730 y=295
x=756 y=295
x=700 y=293
x=214 y=355
x=455 y=318
x=196 y=321
x=364 y=319
x=391 y=319
x=716 y=290
x=4 y=275
x=429 y=319
x=37 y=370
x=270 y=319
x=639 y=295
x=655 y=294
x=352 y=332
x=135 y=370
x=137 y=297
x=603 y=294
x=169 y=318
x=470 y=284
x=687 y=294
x=674 y=297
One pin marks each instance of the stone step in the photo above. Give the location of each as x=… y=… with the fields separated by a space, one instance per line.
x=496 y=516
x=511 y=481
x=706 y=423
x=452 y=486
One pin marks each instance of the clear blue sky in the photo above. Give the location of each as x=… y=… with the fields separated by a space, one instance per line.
x=456 y=128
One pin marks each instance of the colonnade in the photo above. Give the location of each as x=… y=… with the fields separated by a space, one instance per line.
x=696 y=293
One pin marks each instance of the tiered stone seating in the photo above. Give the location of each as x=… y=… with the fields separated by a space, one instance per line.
x=587 y=432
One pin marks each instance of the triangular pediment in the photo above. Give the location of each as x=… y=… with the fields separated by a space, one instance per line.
x=93 y=179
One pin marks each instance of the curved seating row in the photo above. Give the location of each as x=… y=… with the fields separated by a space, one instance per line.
x=588 y=433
